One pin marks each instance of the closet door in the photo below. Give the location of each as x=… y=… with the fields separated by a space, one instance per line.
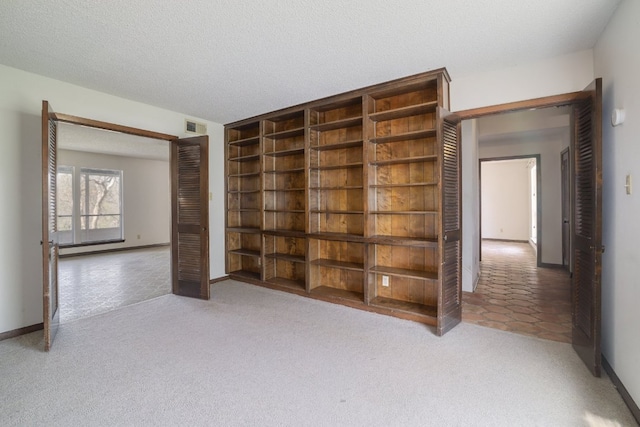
x=450 y=295
x=51 y=314
x=587 y=226
x=190 y=217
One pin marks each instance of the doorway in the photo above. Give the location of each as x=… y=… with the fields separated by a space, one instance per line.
x=114 y=220
x=189 y=159
x=585 y=152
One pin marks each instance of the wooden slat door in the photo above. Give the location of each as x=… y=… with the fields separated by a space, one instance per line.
x=51 y=313
x=190 y=217
x=450 y=292
x=587 y=226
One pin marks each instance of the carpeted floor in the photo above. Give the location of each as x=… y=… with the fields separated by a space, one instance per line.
x=253 y=356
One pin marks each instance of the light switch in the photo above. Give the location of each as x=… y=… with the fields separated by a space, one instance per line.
x=210 y=196
x=627 y=185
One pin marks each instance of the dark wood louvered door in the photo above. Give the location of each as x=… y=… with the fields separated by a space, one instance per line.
x=51 y=313
x=190 y=217
x=450 y=298
x=587 y=225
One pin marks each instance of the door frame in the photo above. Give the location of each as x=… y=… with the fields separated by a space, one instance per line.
x=82 y=121
x=537 y=157
x=573 y=100
x=565 y=191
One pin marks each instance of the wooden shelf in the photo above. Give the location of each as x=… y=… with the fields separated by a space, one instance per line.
x=403 y=272
x=337 y=124
x=285 y=189
x=327 y=292
x=343 y=187
x=416 y=159
x=245 y=141
x=249 y=158
x=286 y=171
x=285 y=233
x=413 y=184
x=287 y=257
x=252 y=275
x=338 y=146
x=397 y=113
x=404 y=306
x=244 y=210
x=245 y=252
x=403 y=212
x=243 y=191
x=404 y=136
x=285 y=210
x=282 y=153
x=244 y=175
x=243 y=230
x=337 y=212
x=404 y=241
x=338 y=264
x=285 y=133
x=339 y=166
x=287 y=283
x=337 y=236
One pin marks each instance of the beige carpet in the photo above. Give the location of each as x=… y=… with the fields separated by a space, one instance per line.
x=252 y=356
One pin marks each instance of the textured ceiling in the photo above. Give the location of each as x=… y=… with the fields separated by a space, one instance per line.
x=229 y=59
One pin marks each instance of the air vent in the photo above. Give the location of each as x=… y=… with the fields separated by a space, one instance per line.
x=194 y=127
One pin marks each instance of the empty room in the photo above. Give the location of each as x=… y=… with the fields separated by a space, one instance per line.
x=303 y=213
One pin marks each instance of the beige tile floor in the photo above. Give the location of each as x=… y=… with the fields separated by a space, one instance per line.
x=94 y=284
x=515 y=295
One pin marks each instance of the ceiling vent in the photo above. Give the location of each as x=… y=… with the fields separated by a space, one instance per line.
x=194 y=127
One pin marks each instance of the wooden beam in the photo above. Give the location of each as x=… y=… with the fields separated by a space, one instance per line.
x=530 y=104
x=67 y=118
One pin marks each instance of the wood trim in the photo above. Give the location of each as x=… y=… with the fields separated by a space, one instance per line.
x=626 y=397
x=544 y=102
x=549 y=265
x=103 y=251
x=67 y=118
x=21 y=331
x=218 y=279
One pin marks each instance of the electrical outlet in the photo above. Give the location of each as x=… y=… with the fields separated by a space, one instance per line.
x=385 y=281
x=210 y=196
x=627 y=184
x=138 y=236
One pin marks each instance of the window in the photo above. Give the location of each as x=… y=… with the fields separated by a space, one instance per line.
x=89 y=205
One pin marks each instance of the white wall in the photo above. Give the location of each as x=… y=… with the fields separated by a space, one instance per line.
x=21 y=96
x=504 y=188
x=470 y=206
x=617 y=61
x=549 y=148
x=146 y=197
x=552 y=76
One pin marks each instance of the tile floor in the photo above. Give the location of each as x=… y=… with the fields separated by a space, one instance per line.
x=93 y=284
x=515 y=295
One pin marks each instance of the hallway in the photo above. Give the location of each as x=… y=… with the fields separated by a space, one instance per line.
x=94 y=284
x=514 y=295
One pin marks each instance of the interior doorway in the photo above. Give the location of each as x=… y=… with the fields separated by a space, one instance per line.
x=114 y=220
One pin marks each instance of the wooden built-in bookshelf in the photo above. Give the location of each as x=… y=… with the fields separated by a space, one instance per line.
x=353 y=199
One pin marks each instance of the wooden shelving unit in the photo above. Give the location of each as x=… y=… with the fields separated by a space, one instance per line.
x=243 y=151
x=354 y=199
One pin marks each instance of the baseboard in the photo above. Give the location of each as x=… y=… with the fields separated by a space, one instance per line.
x=549 y=265
x=475 y=282
x=633 y=407
x=103 y=251
x=505 y=240
x=218 y=279
x=21 y=331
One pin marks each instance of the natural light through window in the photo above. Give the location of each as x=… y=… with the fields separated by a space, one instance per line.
x=89 y=205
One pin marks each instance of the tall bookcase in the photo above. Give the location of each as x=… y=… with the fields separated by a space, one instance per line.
x=354 y=199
